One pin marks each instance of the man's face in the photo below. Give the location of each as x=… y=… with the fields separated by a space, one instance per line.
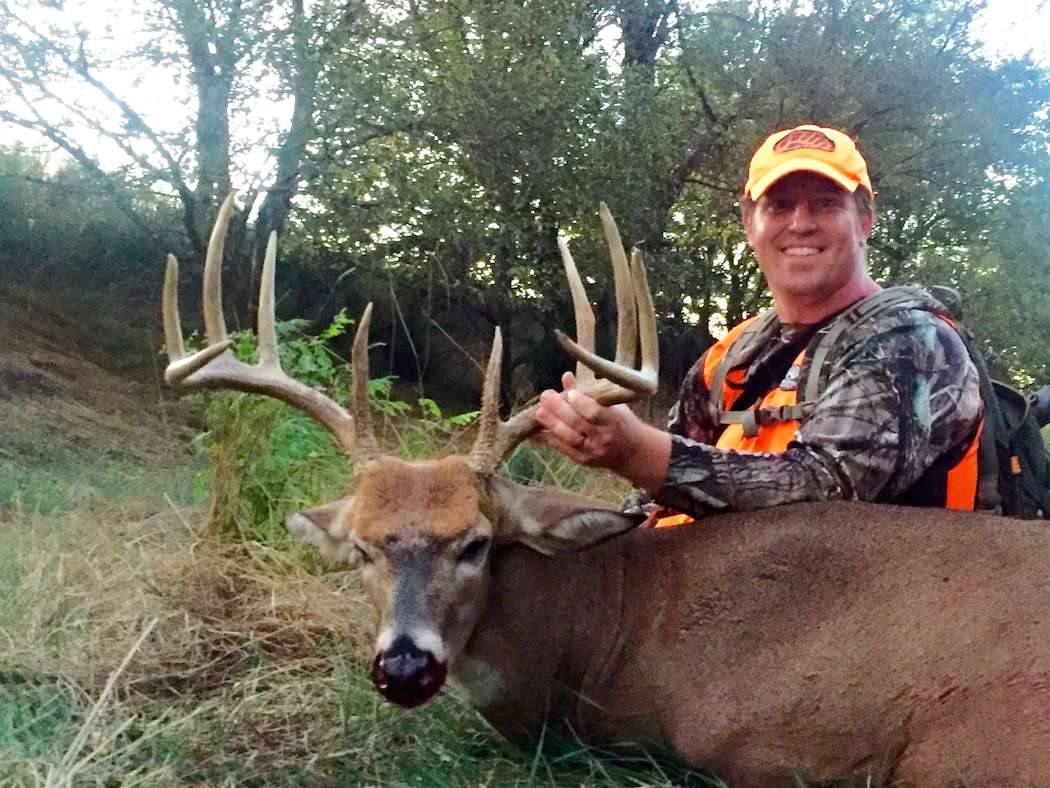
x=809 y=238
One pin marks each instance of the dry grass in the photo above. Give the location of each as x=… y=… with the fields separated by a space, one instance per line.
x=122 y=611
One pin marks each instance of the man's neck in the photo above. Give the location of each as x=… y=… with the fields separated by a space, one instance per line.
x=807 y=312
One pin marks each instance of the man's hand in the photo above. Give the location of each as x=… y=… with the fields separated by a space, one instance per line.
x=603 y=437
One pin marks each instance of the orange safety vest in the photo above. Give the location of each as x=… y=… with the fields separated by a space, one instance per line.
x=775 y=436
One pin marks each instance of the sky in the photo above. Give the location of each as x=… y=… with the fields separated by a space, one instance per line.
x=1011 y=28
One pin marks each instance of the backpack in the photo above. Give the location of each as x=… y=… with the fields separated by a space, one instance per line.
x=1013 y=463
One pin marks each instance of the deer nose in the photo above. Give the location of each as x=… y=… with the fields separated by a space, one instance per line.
x=406 y=675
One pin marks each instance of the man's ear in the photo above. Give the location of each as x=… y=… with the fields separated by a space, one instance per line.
x=867 y=221
x=746 y=214
x=550 y=521
x=325 y=528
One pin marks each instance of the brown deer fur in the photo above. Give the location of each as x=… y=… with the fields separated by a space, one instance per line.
x=836 y=640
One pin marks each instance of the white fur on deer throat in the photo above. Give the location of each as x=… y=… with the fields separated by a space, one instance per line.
x=423 y=638
x=479 y=681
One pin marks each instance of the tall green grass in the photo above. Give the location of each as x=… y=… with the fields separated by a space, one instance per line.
x=59 y=480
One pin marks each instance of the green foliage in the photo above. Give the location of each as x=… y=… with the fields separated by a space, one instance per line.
x=500 y=125
x=381 y=397
x=270 y=459
x=37 y=715
x=60 y=224
x=532 y=464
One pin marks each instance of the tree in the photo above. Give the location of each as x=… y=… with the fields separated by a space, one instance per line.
x=481 y=128
x=441 y=147
x=60 y=80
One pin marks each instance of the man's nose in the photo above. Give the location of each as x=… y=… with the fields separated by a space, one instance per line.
x=802 y=217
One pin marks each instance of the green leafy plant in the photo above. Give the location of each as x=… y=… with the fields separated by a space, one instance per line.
x=269 y=459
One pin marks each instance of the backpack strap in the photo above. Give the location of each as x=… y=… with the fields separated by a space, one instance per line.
x=820 y=352
x=752 y=418
x=994 y=431
x=828 y=341
x=739 y=352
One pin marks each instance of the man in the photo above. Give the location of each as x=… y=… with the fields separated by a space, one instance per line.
x=896 y=419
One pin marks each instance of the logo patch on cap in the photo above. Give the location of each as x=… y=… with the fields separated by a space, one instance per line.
x=804 y=138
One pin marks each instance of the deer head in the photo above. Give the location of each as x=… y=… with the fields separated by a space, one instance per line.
x=422 y=532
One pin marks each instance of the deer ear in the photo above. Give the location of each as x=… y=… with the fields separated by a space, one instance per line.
x=551 y=521
x=325 y=527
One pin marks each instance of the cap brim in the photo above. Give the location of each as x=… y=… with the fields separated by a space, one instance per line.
x=801 y=165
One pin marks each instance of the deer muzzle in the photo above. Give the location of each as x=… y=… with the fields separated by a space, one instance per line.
x=407 y=675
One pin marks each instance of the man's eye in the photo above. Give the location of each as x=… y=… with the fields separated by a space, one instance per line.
x=474 y=550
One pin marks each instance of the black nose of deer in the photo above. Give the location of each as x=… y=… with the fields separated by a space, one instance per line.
x=406 y=675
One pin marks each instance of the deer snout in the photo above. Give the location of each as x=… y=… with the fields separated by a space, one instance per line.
x=407 y=675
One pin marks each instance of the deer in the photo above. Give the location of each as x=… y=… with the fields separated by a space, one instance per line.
x=831 y=640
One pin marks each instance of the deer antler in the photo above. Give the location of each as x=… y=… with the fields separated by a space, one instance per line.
x=620 y=381
x=216 y=367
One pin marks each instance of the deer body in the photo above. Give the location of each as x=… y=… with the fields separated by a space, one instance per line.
x=836 y=640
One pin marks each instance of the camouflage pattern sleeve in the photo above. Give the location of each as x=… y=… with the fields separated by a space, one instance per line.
x=897 y=399
x=690 y=416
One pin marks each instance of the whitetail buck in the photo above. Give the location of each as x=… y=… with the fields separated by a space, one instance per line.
x=833 y=640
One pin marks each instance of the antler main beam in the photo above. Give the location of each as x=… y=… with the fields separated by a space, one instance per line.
x=215 y=367
x=619 y=381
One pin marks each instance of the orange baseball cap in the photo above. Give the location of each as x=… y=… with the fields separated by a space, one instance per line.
x=807 y=148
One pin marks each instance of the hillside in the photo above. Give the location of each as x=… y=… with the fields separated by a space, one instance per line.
x=81 y=408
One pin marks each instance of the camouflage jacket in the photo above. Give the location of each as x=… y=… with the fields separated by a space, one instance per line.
x=901 y=392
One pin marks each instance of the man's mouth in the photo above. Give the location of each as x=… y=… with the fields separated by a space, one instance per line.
x=802 y=251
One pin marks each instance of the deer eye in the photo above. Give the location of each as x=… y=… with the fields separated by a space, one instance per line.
x=474 y=551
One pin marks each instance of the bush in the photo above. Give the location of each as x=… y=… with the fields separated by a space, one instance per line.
x=270 y=460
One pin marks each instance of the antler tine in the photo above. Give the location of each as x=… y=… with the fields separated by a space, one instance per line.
x=180 y=366
x=649 y=339
x=214 y=322
x=486 y=454
x=620 y=383
x=216 y=367
x=172 y=326
x=267 y=331
x=582 y=308
x=367 y=447
x=624 y=384
x=626 y=306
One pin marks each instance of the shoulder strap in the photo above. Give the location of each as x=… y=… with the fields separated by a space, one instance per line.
x=751 y=419
x=994 y=430
x=827 y=341
x=755 y=334
x=819 y=350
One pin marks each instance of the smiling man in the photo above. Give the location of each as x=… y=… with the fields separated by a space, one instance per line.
x=892 y=405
